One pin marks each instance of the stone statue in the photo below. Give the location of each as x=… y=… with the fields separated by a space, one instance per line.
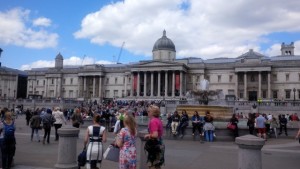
x=204 y=84
x=203 y=94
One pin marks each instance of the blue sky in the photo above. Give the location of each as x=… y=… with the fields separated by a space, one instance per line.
x=33 y=32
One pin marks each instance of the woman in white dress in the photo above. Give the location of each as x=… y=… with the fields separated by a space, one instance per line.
x=95 y=136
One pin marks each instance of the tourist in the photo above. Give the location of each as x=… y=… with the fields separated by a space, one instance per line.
x=35 y=124
x=76 y=118
x=251 y=123
x=126 y=141
x=155 y=158
x=209 y=128
x=183 y=123
x=9 y=141
x=197 y=123
x=175 y=122
x=282 y=124
x=28 y=116
x=59 y=120
x=169 y=122
x=274 y=125
x=94 y=137
x=261 y=128
x=234 y=121
x=48 y=121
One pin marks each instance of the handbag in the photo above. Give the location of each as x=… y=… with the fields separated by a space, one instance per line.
x=112 y=153
x=82 y=158
x=230 y=126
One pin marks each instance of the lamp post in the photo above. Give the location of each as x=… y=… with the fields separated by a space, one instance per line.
x=294 y=90
x=0 y=55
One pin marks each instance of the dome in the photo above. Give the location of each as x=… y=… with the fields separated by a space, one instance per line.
x=59 y=56
x=164 y=43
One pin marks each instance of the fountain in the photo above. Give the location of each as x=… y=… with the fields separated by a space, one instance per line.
x=204 y=96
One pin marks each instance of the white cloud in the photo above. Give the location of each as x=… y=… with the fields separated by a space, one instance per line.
x=202 y=28
x=71 y=61
x=42 y=21
x=15 y=31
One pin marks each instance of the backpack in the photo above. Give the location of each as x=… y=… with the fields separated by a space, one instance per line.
x=9 y=132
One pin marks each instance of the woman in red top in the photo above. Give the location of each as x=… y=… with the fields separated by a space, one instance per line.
x=155 y=128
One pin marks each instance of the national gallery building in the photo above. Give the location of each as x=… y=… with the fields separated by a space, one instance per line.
x=248 y=77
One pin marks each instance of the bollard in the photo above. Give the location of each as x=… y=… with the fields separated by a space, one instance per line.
x=143 y=156
x=67 y=146
x=249 y=152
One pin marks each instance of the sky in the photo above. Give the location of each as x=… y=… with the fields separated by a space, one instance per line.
x=33 y=32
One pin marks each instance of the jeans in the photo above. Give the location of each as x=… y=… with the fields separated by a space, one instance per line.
x=209 y=135
x=36 y=131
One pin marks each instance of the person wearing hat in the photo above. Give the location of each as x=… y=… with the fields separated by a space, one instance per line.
x=48 y=121
x=59 y=120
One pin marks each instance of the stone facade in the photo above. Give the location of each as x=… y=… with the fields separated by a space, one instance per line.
x=248 y=77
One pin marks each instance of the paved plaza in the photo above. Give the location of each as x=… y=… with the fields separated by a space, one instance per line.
x=283 y=153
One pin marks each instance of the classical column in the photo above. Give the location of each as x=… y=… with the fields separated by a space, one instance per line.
x=173 y=84
x=180 y=89
x=166 y=83
x=125 y=86
x=55 y=87
x=158 y=87
x=193 y=82
x=269 y=85
x=138 y=84
x=132 y=83
x=46 y=87
x=78 y=87
x=236 y=92
x=145 y=84
x=245 y=86
x=100 y=87
x=259 y=84
x=94 y=86
x=151 y=84
x=84 y=86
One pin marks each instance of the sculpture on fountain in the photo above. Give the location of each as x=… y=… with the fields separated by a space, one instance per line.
x=203 y=94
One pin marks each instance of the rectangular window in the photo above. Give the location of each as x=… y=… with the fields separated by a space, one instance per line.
x=71 y=81
x=299 y=77
x=274 y=77
x=44 y=82
x=64 y=81
x=71 y=93
x=124 y=80
x=208 y=78
x=219 y=78
x=106 y=93
x=115 y=93
x=107 y=80
x=37 y=82
x=116 y=80
x=288 y=94
x=52 y=81
x=230 y=78
x=287 y=77
x=275 y=94
x=129 y=80
x=298 y=94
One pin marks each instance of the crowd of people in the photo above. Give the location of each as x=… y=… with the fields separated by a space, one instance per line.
x=119 y=117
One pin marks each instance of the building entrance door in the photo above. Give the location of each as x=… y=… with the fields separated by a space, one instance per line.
x=252 y=95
